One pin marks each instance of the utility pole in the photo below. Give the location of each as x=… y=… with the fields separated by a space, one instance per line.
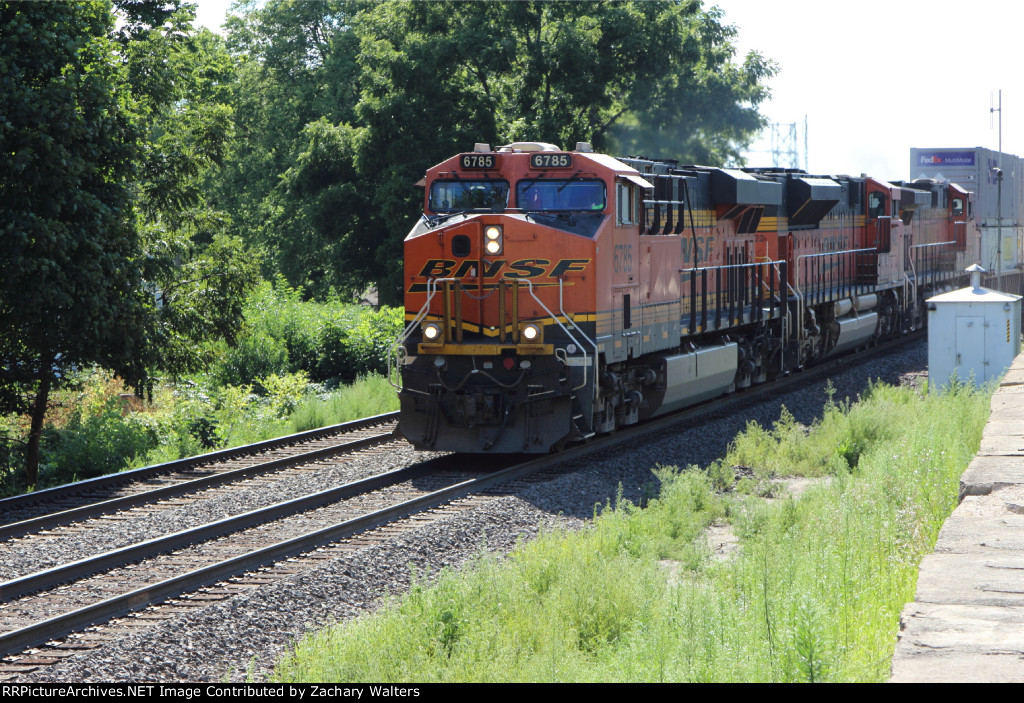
x=999 y=194
x=806 y=150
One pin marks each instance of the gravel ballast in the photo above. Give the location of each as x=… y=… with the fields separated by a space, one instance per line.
x=240 y=639
x=23 y=556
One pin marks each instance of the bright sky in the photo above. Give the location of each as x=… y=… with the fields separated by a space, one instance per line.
x=211 y=13
x=874 y=80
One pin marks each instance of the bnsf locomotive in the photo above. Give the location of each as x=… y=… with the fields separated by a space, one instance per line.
x=552 y=295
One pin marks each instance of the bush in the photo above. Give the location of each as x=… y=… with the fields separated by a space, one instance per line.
x=257 y=355
x=331 y=342
x=274 y=382
x=372 y=337
x=96 y=441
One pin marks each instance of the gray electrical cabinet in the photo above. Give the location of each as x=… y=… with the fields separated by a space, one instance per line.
x=973 y=333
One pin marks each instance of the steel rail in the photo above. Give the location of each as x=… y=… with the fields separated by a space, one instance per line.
x=103 y=482
x=41 y=632
x=42 y=580
x=17 y=529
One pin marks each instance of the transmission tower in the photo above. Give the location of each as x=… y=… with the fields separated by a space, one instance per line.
x=783 y=140
x=785 y=152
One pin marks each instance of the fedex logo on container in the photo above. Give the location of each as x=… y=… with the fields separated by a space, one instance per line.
x=945 y=158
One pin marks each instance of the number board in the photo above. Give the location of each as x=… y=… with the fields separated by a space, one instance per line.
x=549 y=160
x=478 y=161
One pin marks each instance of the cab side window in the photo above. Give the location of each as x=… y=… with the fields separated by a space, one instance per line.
x=625 y=203
x=958 y=207
x=876 y=205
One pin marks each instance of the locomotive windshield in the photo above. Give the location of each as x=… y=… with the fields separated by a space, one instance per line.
x=561 y=195
x=463 y=196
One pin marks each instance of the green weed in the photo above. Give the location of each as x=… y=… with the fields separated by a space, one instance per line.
x=813 y=593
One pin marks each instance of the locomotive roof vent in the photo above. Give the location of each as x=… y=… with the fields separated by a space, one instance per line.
x=529 y=146
x=584 y=147
x=481 y=148
x=734 y=187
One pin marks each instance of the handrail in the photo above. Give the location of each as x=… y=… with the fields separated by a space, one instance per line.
x=834 y=253
x=775 y=265
x=398 y=348
x=932 y=244
x=912 y=284
x=926 y=262
x=801 y=305
x=529 y=287
x=397 y=351
x=796 y=274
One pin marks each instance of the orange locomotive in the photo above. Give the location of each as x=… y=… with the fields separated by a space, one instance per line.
x=552 y=295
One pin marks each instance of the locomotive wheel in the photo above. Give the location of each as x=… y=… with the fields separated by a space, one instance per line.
x=559 y=446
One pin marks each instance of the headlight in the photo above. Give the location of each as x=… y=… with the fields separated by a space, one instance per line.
x=531 y=333
x=431 y=332
x=492 y=236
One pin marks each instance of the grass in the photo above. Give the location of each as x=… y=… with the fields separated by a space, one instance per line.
x=813 y=594
x=370 y=395
x=234 y=415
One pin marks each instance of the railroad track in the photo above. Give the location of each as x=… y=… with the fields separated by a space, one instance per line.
x=121 y=491
x=215 y=560
x=38 y=607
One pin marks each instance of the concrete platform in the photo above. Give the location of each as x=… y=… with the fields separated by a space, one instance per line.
x=967 y=620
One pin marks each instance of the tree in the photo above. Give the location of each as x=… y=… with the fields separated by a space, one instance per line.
x=319 y=203
x=71 y=292
x=114 y=255
x=182 y=79
x=438 y=76
x=296 y=64
x=705 y=113
x=403 y=85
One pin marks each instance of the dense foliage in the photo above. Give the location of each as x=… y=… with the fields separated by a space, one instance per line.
x=297 y=365
x=71 y=256
x=346 y=104
x=151 y=171
x=328 y=341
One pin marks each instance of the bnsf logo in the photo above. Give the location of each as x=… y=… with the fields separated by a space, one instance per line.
x=523 y=268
